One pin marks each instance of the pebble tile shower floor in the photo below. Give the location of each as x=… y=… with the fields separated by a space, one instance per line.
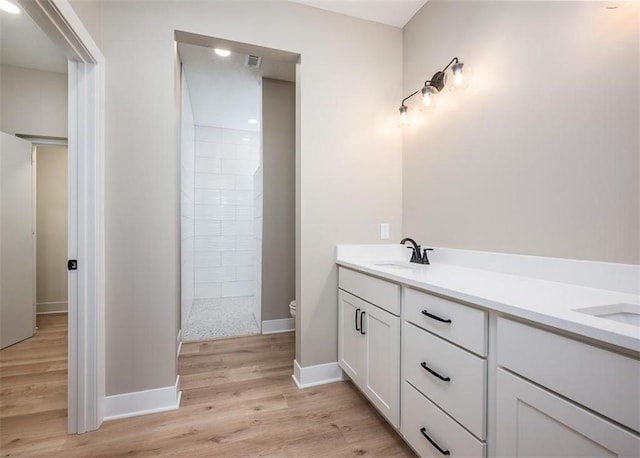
x=221 y=317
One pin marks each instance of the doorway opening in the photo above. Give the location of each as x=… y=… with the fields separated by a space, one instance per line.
x=34 y=220
x=76 y=111
x=237 y=188
x=51 y=212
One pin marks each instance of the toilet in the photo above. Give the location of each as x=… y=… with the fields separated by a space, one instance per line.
x=292 y=308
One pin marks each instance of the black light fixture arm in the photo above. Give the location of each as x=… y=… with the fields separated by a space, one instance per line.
x=453 y=61
x=408 y=97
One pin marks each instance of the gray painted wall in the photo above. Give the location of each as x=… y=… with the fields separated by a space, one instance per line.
x=51 y=229
x=355 y=145
x=540 y=155
x=33 y=102
x=278 y=230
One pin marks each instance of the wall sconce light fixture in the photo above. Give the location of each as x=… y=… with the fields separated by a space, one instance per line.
x=433 y=86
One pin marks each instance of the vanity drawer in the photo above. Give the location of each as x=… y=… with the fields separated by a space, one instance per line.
x=420 y=416
x=602 y=380
x=463 y=396
x=384 y=294
x=467 y=326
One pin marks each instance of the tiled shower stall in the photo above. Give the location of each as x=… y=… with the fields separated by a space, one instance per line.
x=224 y=241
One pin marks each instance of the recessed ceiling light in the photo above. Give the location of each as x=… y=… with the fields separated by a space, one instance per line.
x=252 y=121
x=9 y=7
x=218 y=51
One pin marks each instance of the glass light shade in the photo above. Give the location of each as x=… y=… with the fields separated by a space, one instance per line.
x=429 y=99
x=460 y=79
x=404 y=116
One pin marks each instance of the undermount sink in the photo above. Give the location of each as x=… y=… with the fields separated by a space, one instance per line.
x=622 y=313
x=392 y=265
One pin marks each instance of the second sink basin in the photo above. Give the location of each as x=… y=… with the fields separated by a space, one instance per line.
x=622 y=313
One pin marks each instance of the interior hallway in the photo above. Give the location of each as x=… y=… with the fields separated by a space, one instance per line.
x=238 y=399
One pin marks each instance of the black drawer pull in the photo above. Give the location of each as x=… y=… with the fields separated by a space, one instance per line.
x=435 y=317
x=357 y=310
x=432 y=442
x=361 y=326
x=432 y=372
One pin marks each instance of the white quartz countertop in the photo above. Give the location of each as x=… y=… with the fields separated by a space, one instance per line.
x=545 y=302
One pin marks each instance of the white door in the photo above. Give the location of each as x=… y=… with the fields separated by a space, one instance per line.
x=350 y=337
x=16 y=241
x=382 y=361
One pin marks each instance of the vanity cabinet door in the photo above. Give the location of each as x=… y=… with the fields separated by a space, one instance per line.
x=532 y=421
x=369 y=352
x=382 y=362
x=351 y=340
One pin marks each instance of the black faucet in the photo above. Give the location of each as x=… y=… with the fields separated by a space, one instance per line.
x=416 y=255
x=425 y=258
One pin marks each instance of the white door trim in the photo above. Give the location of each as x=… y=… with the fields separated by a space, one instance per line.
x=86 y=348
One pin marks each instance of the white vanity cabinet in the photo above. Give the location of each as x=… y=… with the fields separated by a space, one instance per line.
x=369 y=339
x=461 y=379
x=595 y=411
x=444 y=393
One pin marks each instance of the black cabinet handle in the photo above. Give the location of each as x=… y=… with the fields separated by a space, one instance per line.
x=357 y=310
x=361 y=326
x=432 y=372
x=435 y=317
x=432 y=442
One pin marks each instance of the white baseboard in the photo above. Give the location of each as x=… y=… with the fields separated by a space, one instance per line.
x=43 y=308
x=143 y=402
x=306 y=377
x=277 y=326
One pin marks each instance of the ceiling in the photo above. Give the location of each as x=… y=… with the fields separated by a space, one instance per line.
x=391 y=12
x=23 y=44
x=224 y=91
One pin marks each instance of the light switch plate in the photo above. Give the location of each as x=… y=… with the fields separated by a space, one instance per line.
x=384 y=231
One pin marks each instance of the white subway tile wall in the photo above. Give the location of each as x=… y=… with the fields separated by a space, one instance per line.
x=237 y=288
x=187 y=207
x=216 y=150
x=210 y=228
x=244 y=273
x=237 y=228
x=243 y=182
x=208 y=259
x=256 y=225
x=223 y=232
x=238 y=258
x=244 y=213
x=207 y=196
x=208 y=290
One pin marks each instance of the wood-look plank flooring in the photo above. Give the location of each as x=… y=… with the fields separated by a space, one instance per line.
x=238 y=400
